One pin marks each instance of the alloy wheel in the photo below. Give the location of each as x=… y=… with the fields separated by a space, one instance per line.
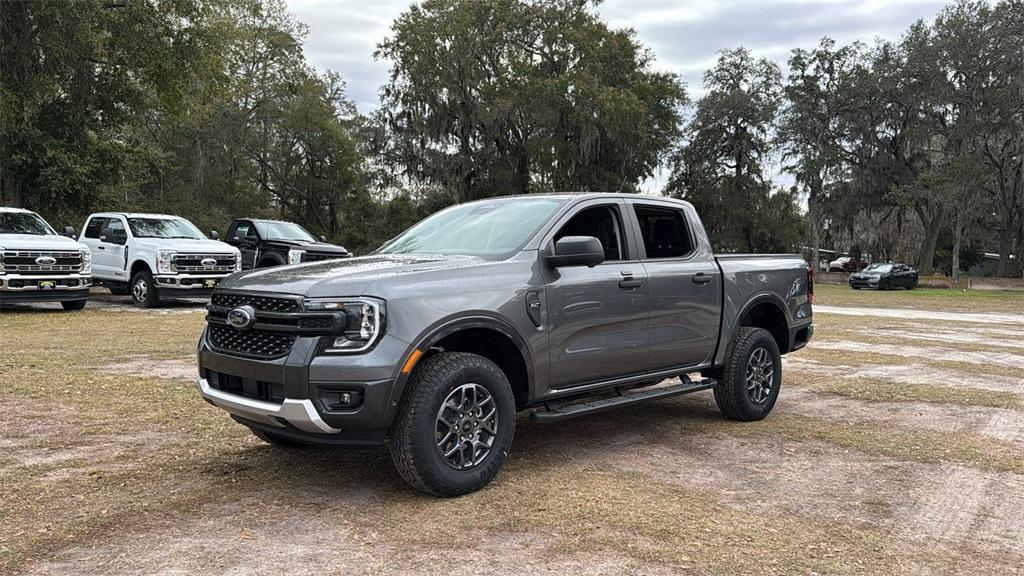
x=760 y=375
x=466 y=426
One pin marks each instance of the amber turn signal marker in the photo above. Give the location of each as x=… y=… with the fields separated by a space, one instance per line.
x=407 y=367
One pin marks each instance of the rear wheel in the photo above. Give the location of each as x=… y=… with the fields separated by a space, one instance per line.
x=143 y=290
x=455 y=424
x=752 y=376
x=73 y=304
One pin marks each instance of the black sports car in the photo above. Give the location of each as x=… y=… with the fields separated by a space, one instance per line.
x=884 y=277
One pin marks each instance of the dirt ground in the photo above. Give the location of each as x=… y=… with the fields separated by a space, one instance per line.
x=897 y=447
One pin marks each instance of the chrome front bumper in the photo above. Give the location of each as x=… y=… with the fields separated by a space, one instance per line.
x=188 y=281
x=299 y=413
x=32 y=282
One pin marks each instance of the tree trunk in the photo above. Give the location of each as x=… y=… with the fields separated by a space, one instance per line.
x=958 y=230
x=1004 y=254
x=932 y=224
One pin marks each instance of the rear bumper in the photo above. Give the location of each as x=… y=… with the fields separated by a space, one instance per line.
x=800 y=336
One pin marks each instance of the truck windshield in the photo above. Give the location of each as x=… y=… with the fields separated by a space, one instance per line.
x=24 y=223
x=283 y=231
x=486 y=228
x=164 y=228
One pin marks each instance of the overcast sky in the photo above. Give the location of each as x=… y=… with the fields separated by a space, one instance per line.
x=685 y=35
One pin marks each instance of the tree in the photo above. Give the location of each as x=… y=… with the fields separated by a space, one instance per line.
x=489 y=98
x=818 y=95
x=720 y=167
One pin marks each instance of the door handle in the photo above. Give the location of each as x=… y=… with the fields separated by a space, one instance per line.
x=701 y=278
x=100 y=248
x=630 y=283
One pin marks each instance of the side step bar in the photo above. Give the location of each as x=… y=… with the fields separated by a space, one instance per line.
x=555 y=412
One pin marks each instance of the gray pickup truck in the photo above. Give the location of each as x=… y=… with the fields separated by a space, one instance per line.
x=563 y=304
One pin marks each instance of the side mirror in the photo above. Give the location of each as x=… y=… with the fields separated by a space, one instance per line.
x=214 y=235
x=69 y=231
x=577 y=251
x=323 y=238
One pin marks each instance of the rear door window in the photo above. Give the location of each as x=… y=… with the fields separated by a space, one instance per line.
x=664 y=232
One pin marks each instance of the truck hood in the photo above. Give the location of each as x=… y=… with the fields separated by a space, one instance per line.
x=35 y=242
x=188 y=245
x=349 y=277
x=318 y=247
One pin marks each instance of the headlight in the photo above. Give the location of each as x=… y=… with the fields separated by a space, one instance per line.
x=86 y=261
x=163 y=261
x=238 y=261
x=2 y=262
x=295 y=256
x=364 y=322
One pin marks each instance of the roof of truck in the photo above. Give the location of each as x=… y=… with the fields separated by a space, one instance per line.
x=13 y=209
x=134 y=215
x=577 y=195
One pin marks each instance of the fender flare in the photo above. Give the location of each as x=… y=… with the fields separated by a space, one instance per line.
x=728 y=330
x=446 y=327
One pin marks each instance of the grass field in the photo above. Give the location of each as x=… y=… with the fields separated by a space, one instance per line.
x=897 y=447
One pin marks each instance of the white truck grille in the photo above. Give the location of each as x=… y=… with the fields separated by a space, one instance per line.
x=203 y=263
x=42 y=262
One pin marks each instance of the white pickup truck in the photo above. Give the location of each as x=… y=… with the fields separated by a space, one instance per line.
x=38 y=265
x=156 y=257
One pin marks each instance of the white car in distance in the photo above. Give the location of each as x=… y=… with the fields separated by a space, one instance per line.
x=156 y=257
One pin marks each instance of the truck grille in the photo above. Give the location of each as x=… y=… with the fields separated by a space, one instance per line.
x=279 y=321
x=259 y=344
x=265 y=303
x=194 y=263
x=28 y=262
x=318 y=256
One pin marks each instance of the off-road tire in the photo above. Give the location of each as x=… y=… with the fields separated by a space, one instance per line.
x=412 y=442
x=73 y=304
x=150 y=298
x=277 y=441
x=731 y=392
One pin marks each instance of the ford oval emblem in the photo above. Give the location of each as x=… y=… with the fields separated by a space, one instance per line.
x=242 y=318
x=208 y=262
x=46 y=261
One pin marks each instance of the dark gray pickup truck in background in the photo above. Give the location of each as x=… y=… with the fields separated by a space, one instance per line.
x=562 y=304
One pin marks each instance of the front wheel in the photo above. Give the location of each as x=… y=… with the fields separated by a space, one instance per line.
x=455 y=424
x=752 y=376
x=143 y=290
x=73 y=304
